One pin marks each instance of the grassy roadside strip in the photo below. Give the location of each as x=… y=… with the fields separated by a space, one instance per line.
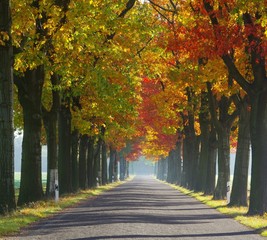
x=12 y=223
x=238 y=213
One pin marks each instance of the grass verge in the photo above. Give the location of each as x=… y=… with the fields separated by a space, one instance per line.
x=259 y=223
x=12 y=223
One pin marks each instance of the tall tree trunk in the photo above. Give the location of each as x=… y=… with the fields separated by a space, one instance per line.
x=104 y=164
x=50 y=119
x=112 y=164
x=50 y=123
x=258 y=128
x=30 y=92
x=75 y=137
x=223 y=164
x=162 y=169
x=211 y=166
x=178 y=157
x=239 y=194
x=190 y=157
x=122 y=167
x=83 y=151
x=191 y=143
x=257 y=92
x=172 y=167
x=222 y=125
x=116 y=167
x=204 y=120
x=96 y=164
x=64 y=149
x=90 y=163
x=7 y=196
x=127 y=169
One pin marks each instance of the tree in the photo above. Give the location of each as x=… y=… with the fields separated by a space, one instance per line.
x=239 y=193
x=250 y=36
x=223 y=123
x=7 y=197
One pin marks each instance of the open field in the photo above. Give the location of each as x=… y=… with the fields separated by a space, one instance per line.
x=17 y=179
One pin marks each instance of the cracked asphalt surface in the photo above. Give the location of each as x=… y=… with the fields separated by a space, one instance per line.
x=142 y=208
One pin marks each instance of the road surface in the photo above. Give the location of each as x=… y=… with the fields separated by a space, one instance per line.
x=143 y=208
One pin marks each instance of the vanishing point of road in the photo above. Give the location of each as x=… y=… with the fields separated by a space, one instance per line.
x=142 y=208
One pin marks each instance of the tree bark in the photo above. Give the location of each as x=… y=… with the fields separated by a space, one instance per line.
x=222 y=124
x=239 y=194
x=162 y=169
x=75 y=138
x=64 y=149
x=96 y=164
x=104 y=164
x=211 y=166
x=172 y=173
x=178 y=157
x=90 y=163
x=191 y=143
x=29 y=93
x=204 y=120
x=258 y=128
x=7 y=196
x=50 y=120
x=223 y=164
x=257 y=92
x=112 y=164
x=122 y=167
x=83 y=151
x=116 y=167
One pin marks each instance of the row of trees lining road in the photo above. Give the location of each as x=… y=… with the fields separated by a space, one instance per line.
x=217 y=50
x=182 y=83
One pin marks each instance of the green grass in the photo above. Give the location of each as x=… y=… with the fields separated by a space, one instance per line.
x=12 y=223
x=238 y=213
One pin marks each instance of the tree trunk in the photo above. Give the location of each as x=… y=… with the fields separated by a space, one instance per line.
x=162 y=169
x=104 y=164
x=122 y=167
x=83 y=151
x=116 y=167
x=64 y=149
x=90 y=163
x=191 y=148
x=7 y=196
x=258 y=128
x=30 y=92
x=96 y=164
x=50 y=123
x=50 y=120
x=204 y=120
x=127 y=169
x=223 y=164
x=211 y=166
x=75 y=137
x=172 y=167
x=112 y=164
x=178 y=158
x=223 y=133
x=257 y=92
x=222 y=124
x=239 y=192
x=190 y=157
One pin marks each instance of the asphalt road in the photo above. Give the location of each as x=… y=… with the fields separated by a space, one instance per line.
x=143 y=208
